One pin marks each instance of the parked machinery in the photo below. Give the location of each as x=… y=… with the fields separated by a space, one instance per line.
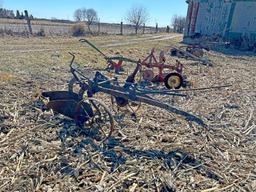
x=171 y=75
x=92 y=113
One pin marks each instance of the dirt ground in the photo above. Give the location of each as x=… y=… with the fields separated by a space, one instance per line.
x=160 y=151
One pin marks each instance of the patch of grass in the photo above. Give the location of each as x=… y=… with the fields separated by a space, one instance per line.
x=6 y=77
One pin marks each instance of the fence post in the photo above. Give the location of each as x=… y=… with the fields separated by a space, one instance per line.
x=143 y=30
x=29 y=22
x=99 y=27
x=167 y=29
x=156 y=27
x=121 y=28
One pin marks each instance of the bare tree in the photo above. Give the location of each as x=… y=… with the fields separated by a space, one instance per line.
x=90 y=17
x=178 y=23
x=78 y=15
x=137 y=16
x=87 y=15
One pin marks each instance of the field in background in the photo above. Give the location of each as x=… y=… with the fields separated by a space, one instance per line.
x=42 y=152
x=62 y=28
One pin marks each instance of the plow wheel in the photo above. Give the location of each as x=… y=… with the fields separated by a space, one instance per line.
x=173 y=81
x=101 y=124
x=147 y=75
x=121 y=104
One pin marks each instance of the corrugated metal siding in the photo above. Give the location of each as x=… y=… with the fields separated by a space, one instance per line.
x=227 y=18
x=212 y=17
x=244 y=18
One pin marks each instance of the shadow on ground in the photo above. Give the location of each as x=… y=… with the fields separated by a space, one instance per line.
x=232 y=51
x=115 y=153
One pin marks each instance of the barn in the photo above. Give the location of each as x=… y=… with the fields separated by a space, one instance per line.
x=232 y=20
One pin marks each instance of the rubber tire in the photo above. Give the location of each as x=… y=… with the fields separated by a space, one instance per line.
x=170 y=75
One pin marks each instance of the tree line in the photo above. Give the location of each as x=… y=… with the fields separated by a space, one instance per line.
x=136 y=16
x=9 y=14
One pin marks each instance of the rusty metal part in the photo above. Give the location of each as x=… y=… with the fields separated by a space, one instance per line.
x=131 y=107
x=196 y=52
x=178 y=52
x=60 y=95
x=94 y=114
x=85 y=112
x=129 y=91
x=65 y=103
x=101 y=121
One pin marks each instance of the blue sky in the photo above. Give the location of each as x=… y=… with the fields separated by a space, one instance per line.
x=161 y=11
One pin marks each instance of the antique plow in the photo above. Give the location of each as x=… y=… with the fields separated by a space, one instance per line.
x=171 y=75
x=89 y=112
x=114 y=63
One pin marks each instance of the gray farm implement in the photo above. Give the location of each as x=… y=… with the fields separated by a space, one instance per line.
x=87 y=111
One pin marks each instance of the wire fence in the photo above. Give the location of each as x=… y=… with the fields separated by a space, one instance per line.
x=19 y=27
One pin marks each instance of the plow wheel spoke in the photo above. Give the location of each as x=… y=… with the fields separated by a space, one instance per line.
x=119 y=104
x=102 y=123
x=134 y=106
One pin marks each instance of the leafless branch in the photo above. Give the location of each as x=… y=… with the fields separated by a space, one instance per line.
x=88 y=15
x=137 y=16
x=178 y=23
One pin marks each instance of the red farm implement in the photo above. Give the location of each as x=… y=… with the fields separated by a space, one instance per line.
x=171 y=75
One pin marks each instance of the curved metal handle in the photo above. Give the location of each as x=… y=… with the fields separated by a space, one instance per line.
x=72 y=61
x=93 y=46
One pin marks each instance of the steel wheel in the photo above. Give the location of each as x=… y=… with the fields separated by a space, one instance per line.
x=101 y=124
x=173 y=81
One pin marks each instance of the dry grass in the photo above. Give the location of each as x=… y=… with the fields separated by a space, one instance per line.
x=159 y=152
x=5 y=77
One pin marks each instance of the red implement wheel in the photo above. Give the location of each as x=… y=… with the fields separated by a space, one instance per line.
x=148 y=75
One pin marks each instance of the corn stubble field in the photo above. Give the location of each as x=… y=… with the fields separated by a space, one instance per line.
x=158 y=152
